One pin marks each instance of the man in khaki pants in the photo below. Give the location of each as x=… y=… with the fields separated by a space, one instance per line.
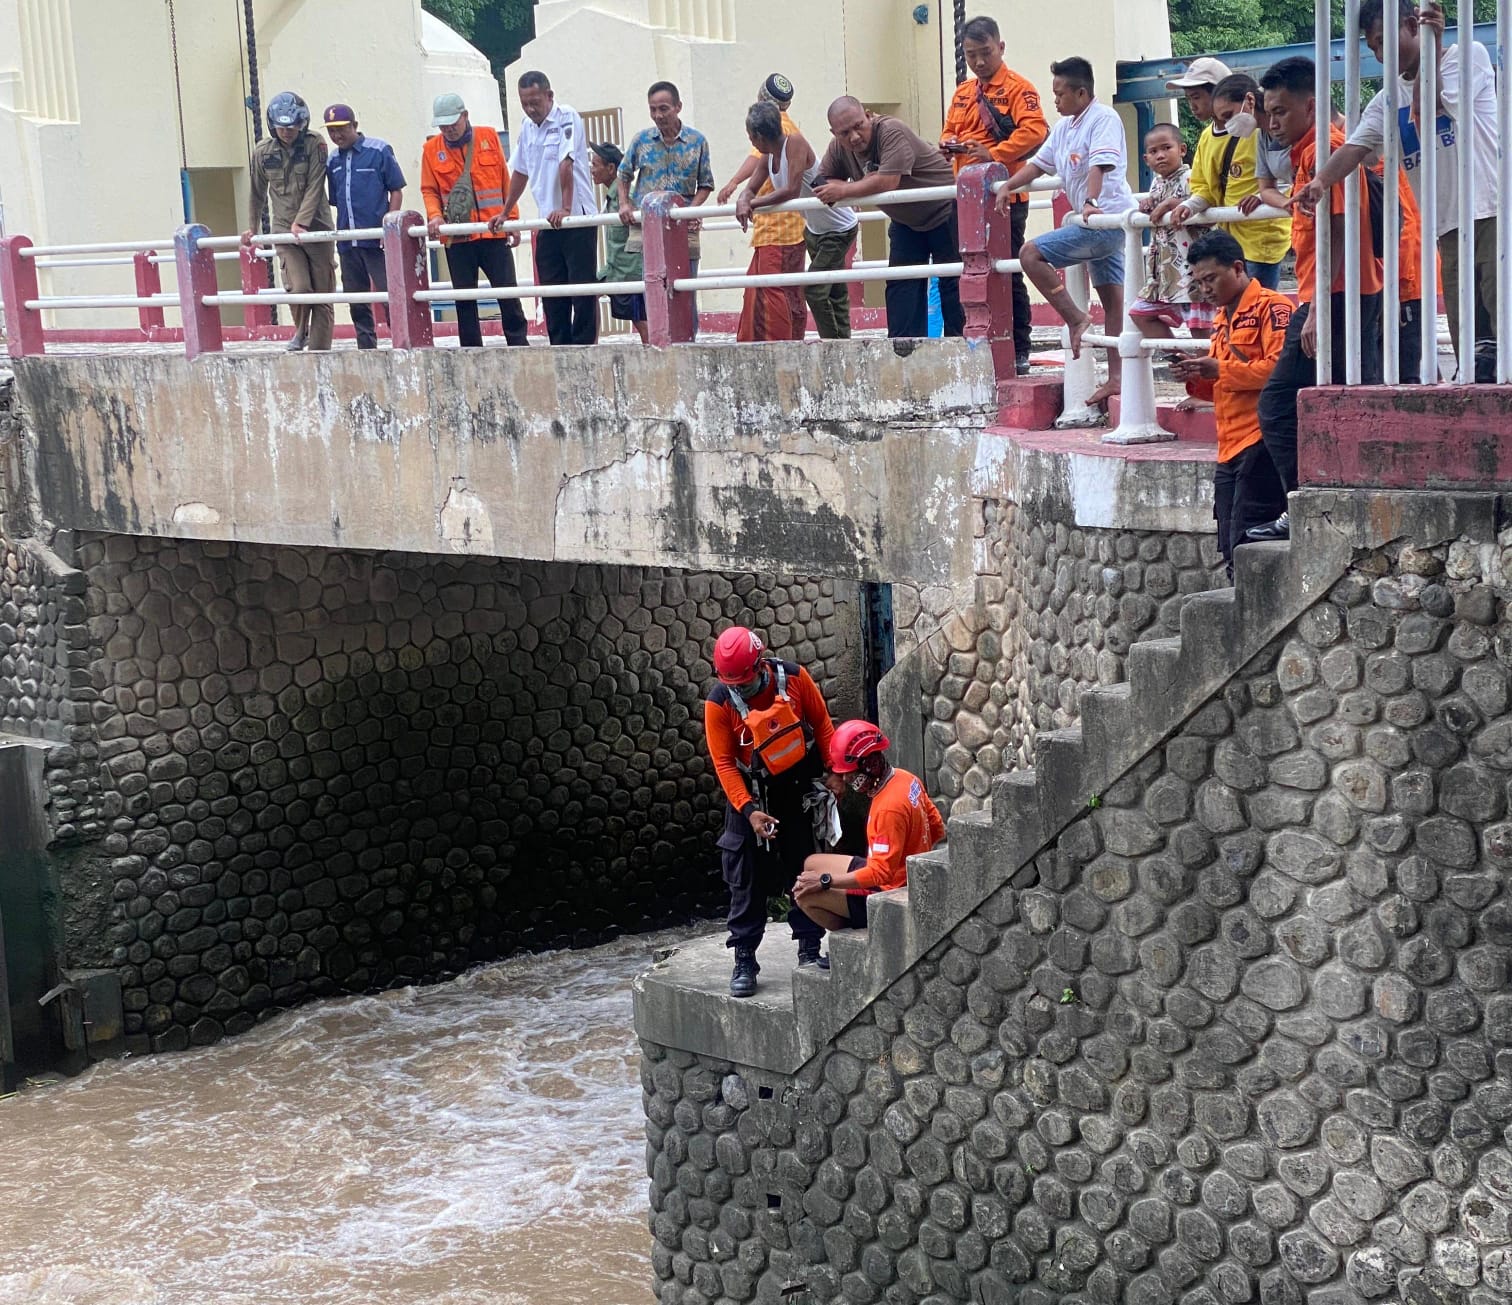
x=289 y=173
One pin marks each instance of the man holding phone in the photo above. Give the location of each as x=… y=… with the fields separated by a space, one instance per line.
x=1246 y=345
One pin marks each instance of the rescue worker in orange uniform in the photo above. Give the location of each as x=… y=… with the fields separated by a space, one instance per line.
x=995 y=117
x=902 y=822
x=464 y=178
x=768 y=732
x=1246 y=343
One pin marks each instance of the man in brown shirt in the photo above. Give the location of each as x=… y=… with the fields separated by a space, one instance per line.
x=872 y=153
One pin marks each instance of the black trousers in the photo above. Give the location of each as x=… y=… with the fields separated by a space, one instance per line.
x=569 y=257
x=1410 y=344
x=495 y=259
x=908 y=301
x=363 y=269
x=1246 y=492
x=754 y=872
x=1018 y=218
x=1295 y=372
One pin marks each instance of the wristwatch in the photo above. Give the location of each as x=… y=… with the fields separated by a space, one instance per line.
x=826 y=880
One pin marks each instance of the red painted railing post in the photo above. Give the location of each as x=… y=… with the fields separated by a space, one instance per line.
x=149 y=281
x=254 y=278
x=407 y=262
x=669 y=313
x=18 y=283
x=985 y=235
x=196 y=279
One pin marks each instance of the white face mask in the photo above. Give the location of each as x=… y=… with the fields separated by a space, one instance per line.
x=1242 y=125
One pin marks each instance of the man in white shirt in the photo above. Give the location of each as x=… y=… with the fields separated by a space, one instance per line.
x=551 y=156
x=1087 y=151
x=1475 y=108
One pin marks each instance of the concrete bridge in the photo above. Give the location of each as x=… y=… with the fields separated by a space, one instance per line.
x=856 y=460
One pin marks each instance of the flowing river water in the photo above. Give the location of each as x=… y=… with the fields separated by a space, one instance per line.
x=478 y=1142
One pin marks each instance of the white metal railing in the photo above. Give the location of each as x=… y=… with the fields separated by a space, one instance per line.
x=1433 y=158
x=229 y=248
x=1139 y=421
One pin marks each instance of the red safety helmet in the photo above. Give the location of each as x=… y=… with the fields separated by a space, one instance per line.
x=737 y=652
x=853 y=741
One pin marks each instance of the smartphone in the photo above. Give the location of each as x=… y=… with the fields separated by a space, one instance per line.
x=1174 y=356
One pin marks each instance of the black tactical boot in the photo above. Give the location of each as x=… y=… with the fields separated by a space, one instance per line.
x=743 y=980
x=808 y=954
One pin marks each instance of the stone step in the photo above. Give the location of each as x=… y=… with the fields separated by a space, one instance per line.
x=1015 y=801
x=1264 y=584
x=1108 y=713
x=953 y=878
x=1153 y=672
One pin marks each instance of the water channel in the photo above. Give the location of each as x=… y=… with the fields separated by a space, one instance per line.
x=477 y=1142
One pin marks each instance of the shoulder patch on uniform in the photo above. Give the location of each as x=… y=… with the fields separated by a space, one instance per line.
x=1281 y=315
x=1031 y=99
x=915 y=791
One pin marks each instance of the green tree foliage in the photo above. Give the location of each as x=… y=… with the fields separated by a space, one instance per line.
x=499 y=28
x=1206 y=26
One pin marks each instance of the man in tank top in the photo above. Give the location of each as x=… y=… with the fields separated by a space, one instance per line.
x=788 y=161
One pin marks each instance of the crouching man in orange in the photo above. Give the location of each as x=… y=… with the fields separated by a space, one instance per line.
x=902 y=822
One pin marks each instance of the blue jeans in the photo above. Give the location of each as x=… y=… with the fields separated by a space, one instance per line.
x=1268 y=274
x=1101 y=250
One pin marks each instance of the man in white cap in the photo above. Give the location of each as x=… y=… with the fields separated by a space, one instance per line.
x=464 y=178
x=1214 y=157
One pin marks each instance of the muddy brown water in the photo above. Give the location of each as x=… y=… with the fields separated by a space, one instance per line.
x=478 y=1142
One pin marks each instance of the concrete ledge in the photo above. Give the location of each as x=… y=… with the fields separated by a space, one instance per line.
x=684 y=1001
x=1407 y=437
x=1071 y=476
x=843 y=458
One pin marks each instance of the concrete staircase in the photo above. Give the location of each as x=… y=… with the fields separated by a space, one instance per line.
x=684 y=1001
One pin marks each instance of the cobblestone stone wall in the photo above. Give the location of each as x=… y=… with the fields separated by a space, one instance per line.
x=310 y=771
x=1055 y=610
x=42 y=615
x=1241 y=1034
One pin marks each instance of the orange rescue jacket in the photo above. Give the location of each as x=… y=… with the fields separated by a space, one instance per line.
x=1013 y=97
x=441 y=167
x=1246 y=342
x=730 y=742
x=902 y=823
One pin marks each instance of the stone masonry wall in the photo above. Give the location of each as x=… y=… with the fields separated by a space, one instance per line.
x=1055 y=610
x=312 y=771
x=1243 y=1033
x=42 y=614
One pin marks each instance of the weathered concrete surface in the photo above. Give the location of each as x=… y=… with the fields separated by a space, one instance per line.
x=1071 y=477
x=1375 y=435
x=848 y=460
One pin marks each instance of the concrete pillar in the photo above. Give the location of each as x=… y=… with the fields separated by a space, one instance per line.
x=408 y=264
x=669 y=315
x=18 y=283
x=254 y=277
x=148 y=282
x=986 y=295
x=196 y=279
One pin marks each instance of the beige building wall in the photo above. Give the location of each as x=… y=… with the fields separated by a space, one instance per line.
x=603 y=54
x=90 y=146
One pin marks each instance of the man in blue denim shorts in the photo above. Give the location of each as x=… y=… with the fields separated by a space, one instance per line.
x=1086 y=150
